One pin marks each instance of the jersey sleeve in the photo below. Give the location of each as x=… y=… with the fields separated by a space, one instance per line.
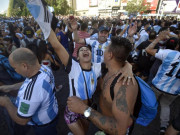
x=161 y=54
x=30 y=100
x=26 y=109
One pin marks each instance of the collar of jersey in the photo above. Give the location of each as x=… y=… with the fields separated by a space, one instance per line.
x=35 y=75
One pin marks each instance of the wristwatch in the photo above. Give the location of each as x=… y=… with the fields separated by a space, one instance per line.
x=87 y=112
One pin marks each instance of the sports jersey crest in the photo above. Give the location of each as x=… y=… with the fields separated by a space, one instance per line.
x=100 y=46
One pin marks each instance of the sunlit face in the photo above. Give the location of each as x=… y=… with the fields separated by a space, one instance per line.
x=84 y=54
x=19 y=68
x=103 y=35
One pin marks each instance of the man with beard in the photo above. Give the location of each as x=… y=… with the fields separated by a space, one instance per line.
x=98 y=44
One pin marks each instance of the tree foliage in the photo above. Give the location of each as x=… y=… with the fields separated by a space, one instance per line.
x=10 y=8
x=137 y=6
x=60 y=6
x=18 y=7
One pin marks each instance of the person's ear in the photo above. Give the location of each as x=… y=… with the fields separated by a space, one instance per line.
x=110 y=55
x=24 y=65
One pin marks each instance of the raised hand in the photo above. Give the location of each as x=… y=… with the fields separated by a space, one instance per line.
x=164 y=35
x=132 y=29
x=74 y=24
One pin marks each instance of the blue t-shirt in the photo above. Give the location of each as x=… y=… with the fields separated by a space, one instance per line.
x=64 y=40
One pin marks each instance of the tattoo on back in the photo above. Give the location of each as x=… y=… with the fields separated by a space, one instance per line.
x=121 y=102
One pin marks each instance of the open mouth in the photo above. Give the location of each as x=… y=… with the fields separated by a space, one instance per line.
x=85 y=55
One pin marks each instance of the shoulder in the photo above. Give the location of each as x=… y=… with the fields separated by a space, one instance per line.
x=93 y=38
x=125 y=91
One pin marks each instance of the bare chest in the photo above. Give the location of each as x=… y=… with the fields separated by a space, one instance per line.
x=105 y=98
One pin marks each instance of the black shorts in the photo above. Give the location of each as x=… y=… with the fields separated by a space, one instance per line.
x=176 y=123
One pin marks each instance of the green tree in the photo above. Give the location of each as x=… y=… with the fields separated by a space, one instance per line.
x=137 y=6
x=17 y=8
x=60 y=6
x=10 y=8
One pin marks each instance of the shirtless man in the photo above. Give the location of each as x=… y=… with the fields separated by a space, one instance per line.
x=115 y=114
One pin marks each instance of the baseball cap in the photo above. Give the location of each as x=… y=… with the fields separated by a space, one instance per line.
x=28 y=31
x=103 y=28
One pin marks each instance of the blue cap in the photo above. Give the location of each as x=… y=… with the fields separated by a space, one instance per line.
x=103 y=28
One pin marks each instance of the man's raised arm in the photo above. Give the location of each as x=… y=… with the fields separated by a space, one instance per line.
x=150 y=49
x=74 y=26
x=58 y=48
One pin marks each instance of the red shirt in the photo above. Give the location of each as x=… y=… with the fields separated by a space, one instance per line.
x=81 y=34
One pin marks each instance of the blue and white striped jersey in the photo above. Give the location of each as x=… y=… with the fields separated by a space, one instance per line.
x=36 y=98
x=167 y=78
x=97 y=49
x=79 y=79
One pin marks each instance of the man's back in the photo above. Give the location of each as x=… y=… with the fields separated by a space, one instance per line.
x=36 y=98
x=167 y=77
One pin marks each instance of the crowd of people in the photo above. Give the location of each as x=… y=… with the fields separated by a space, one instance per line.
x=93 y=52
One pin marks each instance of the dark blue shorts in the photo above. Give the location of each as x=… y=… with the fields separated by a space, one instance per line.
x=48 y=129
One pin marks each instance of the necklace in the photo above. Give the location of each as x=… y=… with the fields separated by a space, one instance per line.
x=107 y=79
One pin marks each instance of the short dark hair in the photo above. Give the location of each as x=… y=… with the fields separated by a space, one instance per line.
x=120 y=47
x=175 y=22
x=62 y=25
x=84 y=26
x=152 y=35
x=172 y=43
x=163 y=29
x=88 y=46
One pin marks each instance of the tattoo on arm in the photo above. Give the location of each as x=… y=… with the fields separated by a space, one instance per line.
x=102 y=120
x=107 y=124
x=121 y=102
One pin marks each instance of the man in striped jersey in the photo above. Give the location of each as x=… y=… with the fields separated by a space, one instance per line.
x=166 y=83
x=36 y=104
x=83 y=77
x=98 y=45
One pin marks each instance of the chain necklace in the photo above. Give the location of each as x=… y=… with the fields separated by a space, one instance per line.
x=108 y=78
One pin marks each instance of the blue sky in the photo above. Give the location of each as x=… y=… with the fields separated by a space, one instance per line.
x=4 y=5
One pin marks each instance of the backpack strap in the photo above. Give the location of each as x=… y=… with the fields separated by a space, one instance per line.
x=112 y=96
x=112 y=86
